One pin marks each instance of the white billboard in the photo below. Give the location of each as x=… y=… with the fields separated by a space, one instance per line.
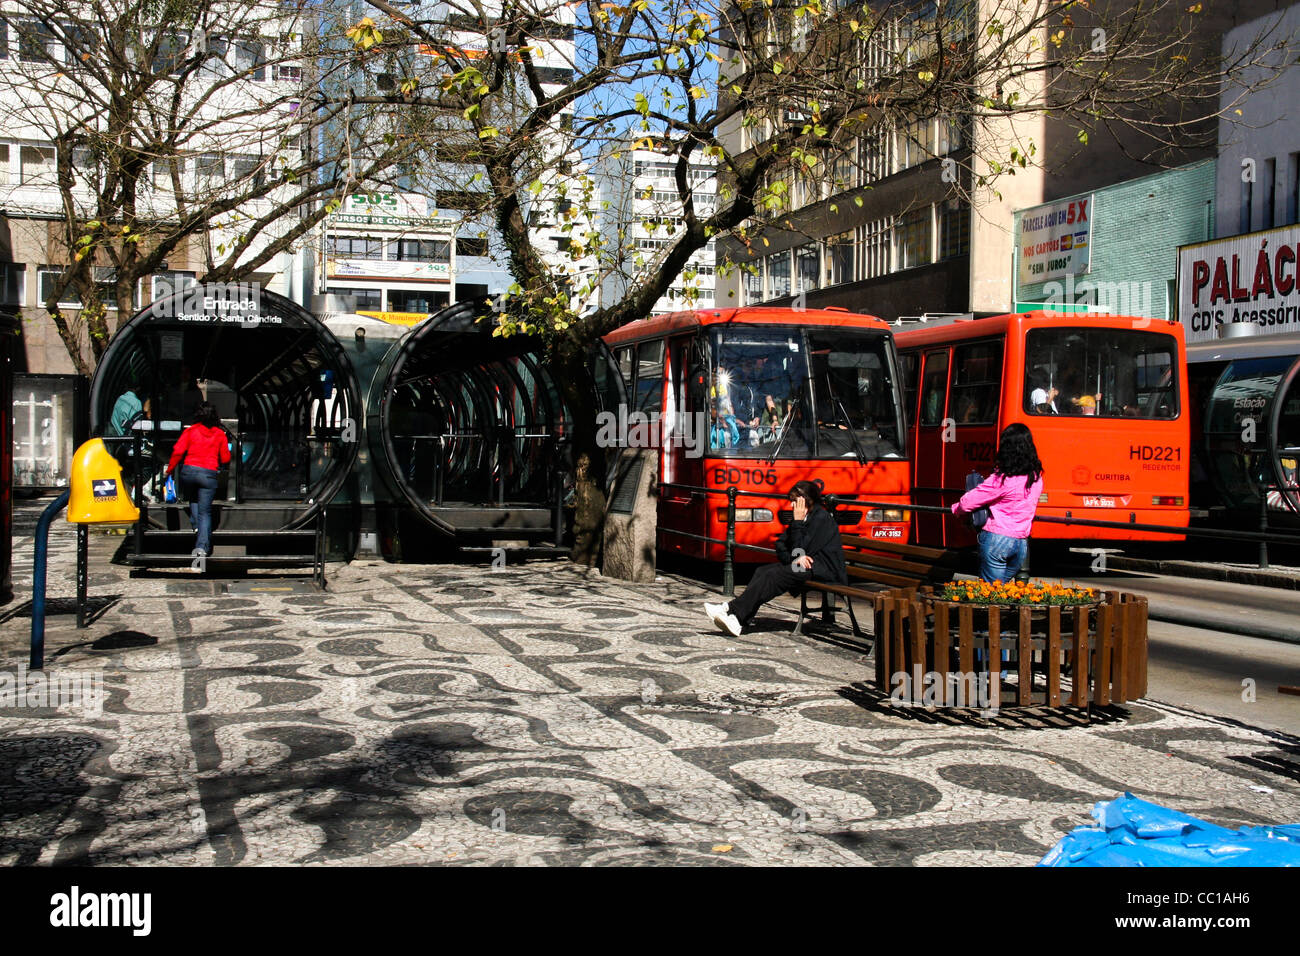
x=1055 y=240
x=1247 y=278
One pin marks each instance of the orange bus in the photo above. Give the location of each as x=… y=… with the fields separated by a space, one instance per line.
x=1105 y=397
x=761 y=398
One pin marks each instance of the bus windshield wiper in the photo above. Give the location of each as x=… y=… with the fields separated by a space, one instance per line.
x=853 y=434
x=785 y=427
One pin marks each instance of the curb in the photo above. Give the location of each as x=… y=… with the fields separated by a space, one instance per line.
x=1188 y=569
x=1228 y=625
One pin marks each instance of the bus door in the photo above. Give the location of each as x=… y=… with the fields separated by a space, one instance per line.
x=927 y=474
x=685 y=439
x=973 y=402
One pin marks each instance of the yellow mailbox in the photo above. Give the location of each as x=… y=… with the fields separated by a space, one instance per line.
x=99 y=494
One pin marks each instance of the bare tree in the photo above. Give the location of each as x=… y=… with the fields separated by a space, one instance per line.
x=188 y=128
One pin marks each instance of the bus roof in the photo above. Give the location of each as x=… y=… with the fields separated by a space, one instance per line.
x=960 y=329
x=1245 y=347
x=757 y=315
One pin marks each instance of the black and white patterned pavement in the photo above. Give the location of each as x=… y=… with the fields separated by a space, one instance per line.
x=537 y=715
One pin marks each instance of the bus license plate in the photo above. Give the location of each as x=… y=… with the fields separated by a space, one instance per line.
x=1098 y=501
x=883 y=532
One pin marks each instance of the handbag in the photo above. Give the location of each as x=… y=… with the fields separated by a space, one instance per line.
x=980 y=516
x=169 y=490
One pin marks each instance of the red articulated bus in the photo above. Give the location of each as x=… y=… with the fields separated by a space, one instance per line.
x=1106 y=399
x=761 y=398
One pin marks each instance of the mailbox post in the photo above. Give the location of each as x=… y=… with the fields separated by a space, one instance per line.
x=97 y=495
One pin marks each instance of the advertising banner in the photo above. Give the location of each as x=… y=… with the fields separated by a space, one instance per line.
x=1249 y=278
x=1054 y=240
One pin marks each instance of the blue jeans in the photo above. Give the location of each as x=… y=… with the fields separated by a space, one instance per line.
x=200 y=486
x=1001 y=556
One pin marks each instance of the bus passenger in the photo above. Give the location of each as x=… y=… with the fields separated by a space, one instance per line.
x=1043 y=398
x=199 y=454
x=725 y=430
x=1011 y=495
x=810 y=548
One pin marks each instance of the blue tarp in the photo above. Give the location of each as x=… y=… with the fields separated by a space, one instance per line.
x=1133 y=832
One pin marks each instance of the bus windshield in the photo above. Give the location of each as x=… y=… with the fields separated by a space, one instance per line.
x=795 y=392
x=1110 y=373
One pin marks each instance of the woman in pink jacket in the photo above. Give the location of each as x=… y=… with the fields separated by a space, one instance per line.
x=1011 y=495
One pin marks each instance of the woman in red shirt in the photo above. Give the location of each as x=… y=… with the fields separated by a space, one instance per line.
x=200 y=451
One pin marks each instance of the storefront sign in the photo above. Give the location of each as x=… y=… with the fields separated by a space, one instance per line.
x=1246 y=279
x=1055 y=240
x=387 y=269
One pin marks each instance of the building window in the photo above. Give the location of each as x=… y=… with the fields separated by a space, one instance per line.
x=288 y=72
x=37 y=165
x=13 y=284
x=210 y=170
x=249 y=58
x=4 y=40
x=370 y=299
x=356 y=247
x=753 y=282
x=162 y=173
x=808 y=261
x=248 y=170
x=915 y=143
x=458 y=199
x=105 y=277
x=952 y=135
x=839 y=251
x=562 y=243
x=877 y=156
x=166 y=283
x=875 y=249
x=416 y=300
x=36 y=42
x=954 y=229
x=4 y=165
x=471 y=246
x=778 y=275
x=912 y=239
x=553 y=75
x=423 y=250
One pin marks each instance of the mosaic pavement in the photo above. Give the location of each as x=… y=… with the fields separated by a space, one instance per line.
x=534 y=715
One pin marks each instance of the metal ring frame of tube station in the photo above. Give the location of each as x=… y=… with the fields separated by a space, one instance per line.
x=281 y=382
x=469 y=429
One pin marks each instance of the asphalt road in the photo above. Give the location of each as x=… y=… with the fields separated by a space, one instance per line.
x=1204 y=670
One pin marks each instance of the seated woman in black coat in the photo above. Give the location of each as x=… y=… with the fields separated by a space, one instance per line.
x=810 y=548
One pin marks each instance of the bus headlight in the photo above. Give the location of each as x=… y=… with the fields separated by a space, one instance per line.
x=875 y=514
x=746 y=514
x=886 y=514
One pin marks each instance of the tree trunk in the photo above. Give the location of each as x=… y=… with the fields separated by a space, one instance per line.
x=573 y=377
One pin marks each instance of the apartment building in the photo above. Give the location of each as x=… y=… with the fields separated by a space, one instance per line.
x=897 y=225
x=237 y=122
x=641 y=210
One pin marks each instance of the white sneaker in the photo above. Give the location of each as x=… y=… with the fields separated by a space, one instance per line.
x=724 y=620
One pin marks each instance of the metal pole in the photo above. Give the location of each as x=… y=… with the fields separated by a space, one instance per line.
x=1263 y=525
x=139 y=498
x=83 y=537
x=37 y=661
x=728 y=566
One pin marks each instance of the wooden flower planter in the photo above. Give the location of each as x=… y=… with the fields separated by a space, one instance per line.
x=925 y=646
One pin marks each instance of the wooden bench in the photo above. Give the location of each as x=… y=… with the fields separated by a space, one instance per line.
x=875 y=565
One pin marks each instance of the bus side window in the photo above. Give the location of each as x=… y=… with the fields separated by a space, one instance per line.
x=934 y=388
x=650 y=376
x=976 y=383
x=908 y=362
x=627 y=365
x=697 y=386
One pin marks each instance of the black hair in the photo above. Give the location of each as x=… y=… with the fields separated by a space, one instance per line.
x=809 y=491
x=205 y=413
x=1017 y=454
